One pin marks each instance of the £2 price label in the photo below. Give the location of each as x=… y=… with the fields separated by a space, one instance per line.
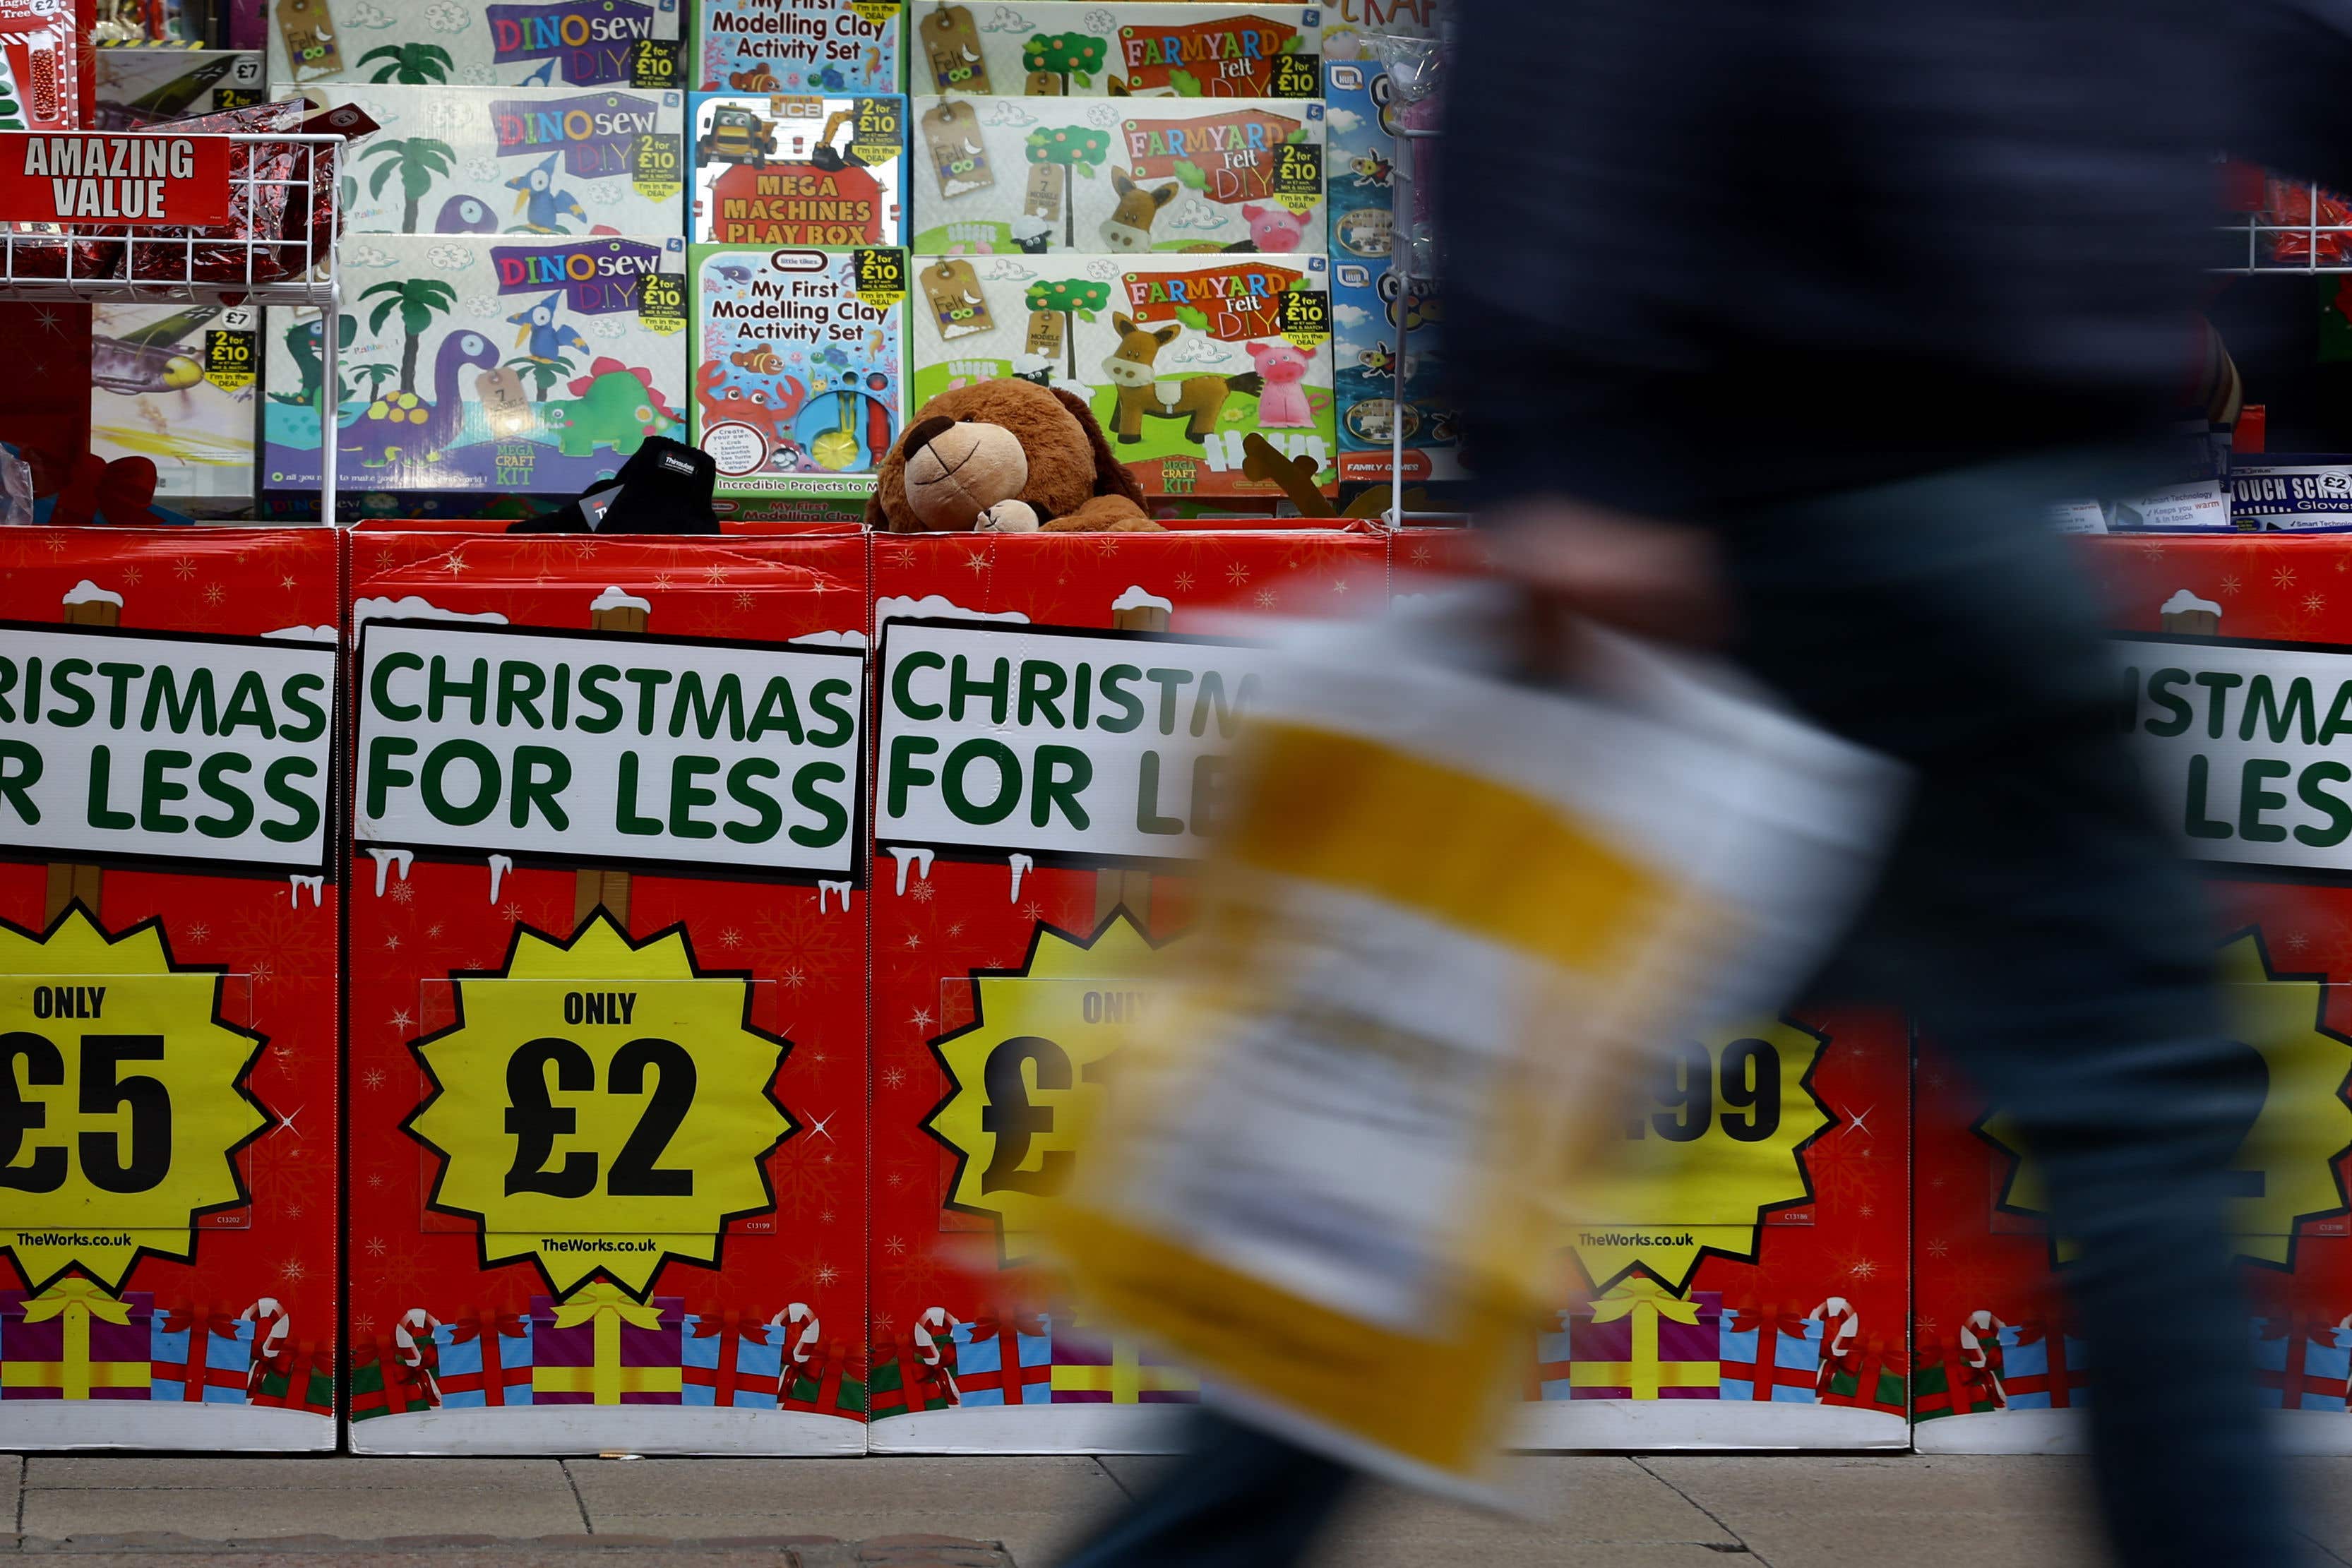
x=602 y=1107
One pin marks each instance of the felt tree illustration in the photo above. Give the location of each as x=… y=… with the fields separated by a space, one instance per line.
x=1072 y=149
x=1069 y=298
x=1072 y=57
x=542 y=374
x=418 y=300
x=12 y=97
x=417 y=65
x=419 y=161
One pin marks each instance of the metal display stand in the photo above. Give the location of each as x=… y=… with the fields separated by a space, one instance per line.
x=275 y=271
x=2262 y=240
x=1400 y=266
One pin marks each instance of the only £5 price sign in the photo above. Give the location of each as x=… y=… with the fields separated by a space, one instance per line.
x=80 y=180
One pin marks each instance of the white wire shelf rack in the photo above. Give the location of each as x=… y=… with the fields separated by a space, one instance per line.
x=2298 y=228
x=282 y=186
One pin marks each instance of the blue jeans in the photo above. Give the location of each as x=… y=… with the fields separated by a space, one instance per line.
x=2034 y=918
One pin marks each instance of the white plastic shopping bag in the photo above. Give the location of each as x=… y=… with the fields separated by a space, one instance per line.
x=1449 y=910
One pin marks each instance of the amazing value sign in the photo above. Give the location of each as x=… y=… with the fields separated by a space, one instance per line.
x=169 y=748
x=665 y=753
x=137 y=179
x=1055 y=741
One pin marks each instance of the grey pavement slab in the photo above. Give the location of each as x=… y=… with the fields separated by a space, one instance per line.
x=225 y=1499
x=12 y=1474
x=1035 y=1506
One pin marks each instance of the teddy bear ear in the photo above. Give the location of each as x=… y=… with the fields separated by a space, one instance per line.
x=1111 y=477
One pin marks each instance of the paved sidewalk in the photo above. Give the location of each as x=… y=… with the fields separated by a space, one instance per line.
x=1657 y=1512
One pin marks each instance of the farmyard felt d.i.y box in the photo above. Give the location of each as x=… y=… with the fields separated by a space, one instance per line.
x=168 y=988
x=1033 y=859
x=1180 y=357
x=1117 y=176
x=482 y=365
x=810 y=171
x=800 y=375
x=515 y=160
x=1192 y=49
x=608 y=1002
x=510 y=43
x=800 y=46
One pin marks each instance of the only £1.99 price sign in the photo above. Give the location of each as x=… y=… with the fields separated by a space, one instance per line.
x=122 y=1100
x=601 y=1106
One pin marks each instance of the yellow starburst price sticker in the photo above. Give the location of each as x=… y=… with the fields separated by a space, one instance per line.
x=1030 y=1068
x=2285 y=1171
x=122 y=1100
x=602 y=1107
x=1709 y=1148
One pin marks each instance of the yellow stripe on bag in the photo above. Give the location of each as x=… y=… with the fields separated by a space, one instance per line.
x=1462 y=850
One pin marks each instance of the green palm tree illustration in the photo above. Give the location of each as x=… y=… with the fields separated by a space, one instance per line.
x=419 y=161
x=418 y=300
x=415 y=64
x=541 y=373
x=374 y=375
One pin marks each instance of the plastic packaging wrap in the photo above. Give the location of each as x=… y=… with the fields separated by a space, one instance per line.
x=1416 y=68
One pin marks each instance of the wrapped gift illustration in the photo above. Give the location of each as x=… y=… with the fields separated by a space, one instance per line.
x=1952 y=1381
x=1771 y=1355
x=1117 y=1372
x=203 y=1355
x=600 y=1345
x=1554 y=1361
x=916 y=1370
x=484 y=1360
x=1871 y=1375
x=726 y=1358
x=828 y=1378
x=2303 y=1362
x=73 y=1341
x=2043 y=1368
x=301 y=1378
x=1006 y=1359
x=389 y=1378
x=1640 y=1341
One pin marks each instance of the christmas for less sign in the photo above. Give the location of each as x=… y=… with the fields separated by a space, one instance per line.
x=82 y=180
x=665 y=753
x=1034 y=740
x=165 y=747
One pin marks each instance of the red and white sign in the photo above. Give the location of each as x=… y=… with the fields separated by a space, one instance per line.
x=83 y=181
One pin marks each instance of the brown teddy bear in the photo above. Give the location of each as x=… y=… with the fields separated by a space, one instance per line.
x=1008 y=456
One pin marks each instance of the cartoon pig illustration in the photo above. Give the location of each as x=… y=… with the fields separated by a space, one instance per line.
x=1275 y=230
x=1283 y=404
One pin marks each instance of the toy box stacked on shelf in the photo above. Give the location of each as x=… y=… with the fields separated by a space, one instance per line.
x=799 y=172
x=1387 y=329
x=515 y=160
x=608 y=1004
x=180 y=387
x=800 y=47
x=1351 y=25
x=1194 y=48
x=1180 y=357
x=799 y=376
x=169 y=1264
x=2243 y=624
x=485 y=365
x=1029 y=175
x=137 y=87
x=1051 y=724
x=511 y=42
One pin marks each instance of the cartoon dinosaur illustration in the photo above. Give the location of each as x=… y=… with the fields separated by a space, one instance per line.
x=768 y=413
x=302 y=342
x=540 y=202
x=466 y=215
x=613 y=405
x=405 y=427
x=1196 y=400
x=543 y=337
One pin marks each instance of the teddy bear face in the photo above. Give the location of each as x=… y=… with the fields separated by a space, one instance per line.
x=971 y=450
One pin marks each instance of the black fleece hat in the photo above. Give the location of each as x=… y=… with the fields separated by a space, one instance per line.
x=665 y=488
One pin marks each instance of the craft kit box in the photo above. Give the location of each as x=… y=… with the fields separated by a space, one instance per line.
x=1106 y=177
x=169 y=913
x=181 y=388
x=809 y=172
x=513 y=43
x=2248 y=624
x=1182 y=357
x=1031 y=864
x=1054 y=49
x=808 y=46
x=1386 y=328
x=608 y=995
x=477 y=364
x=800 y=375
x=139 y=88
x=1351 y=27
x=515 y=160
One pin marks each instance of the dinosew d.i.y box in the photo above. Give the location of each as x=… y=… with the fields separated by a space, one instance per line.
x=517 y=43
x=1180 y=357
x=515 y=160
x=1117 y=176
x=528 y=366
